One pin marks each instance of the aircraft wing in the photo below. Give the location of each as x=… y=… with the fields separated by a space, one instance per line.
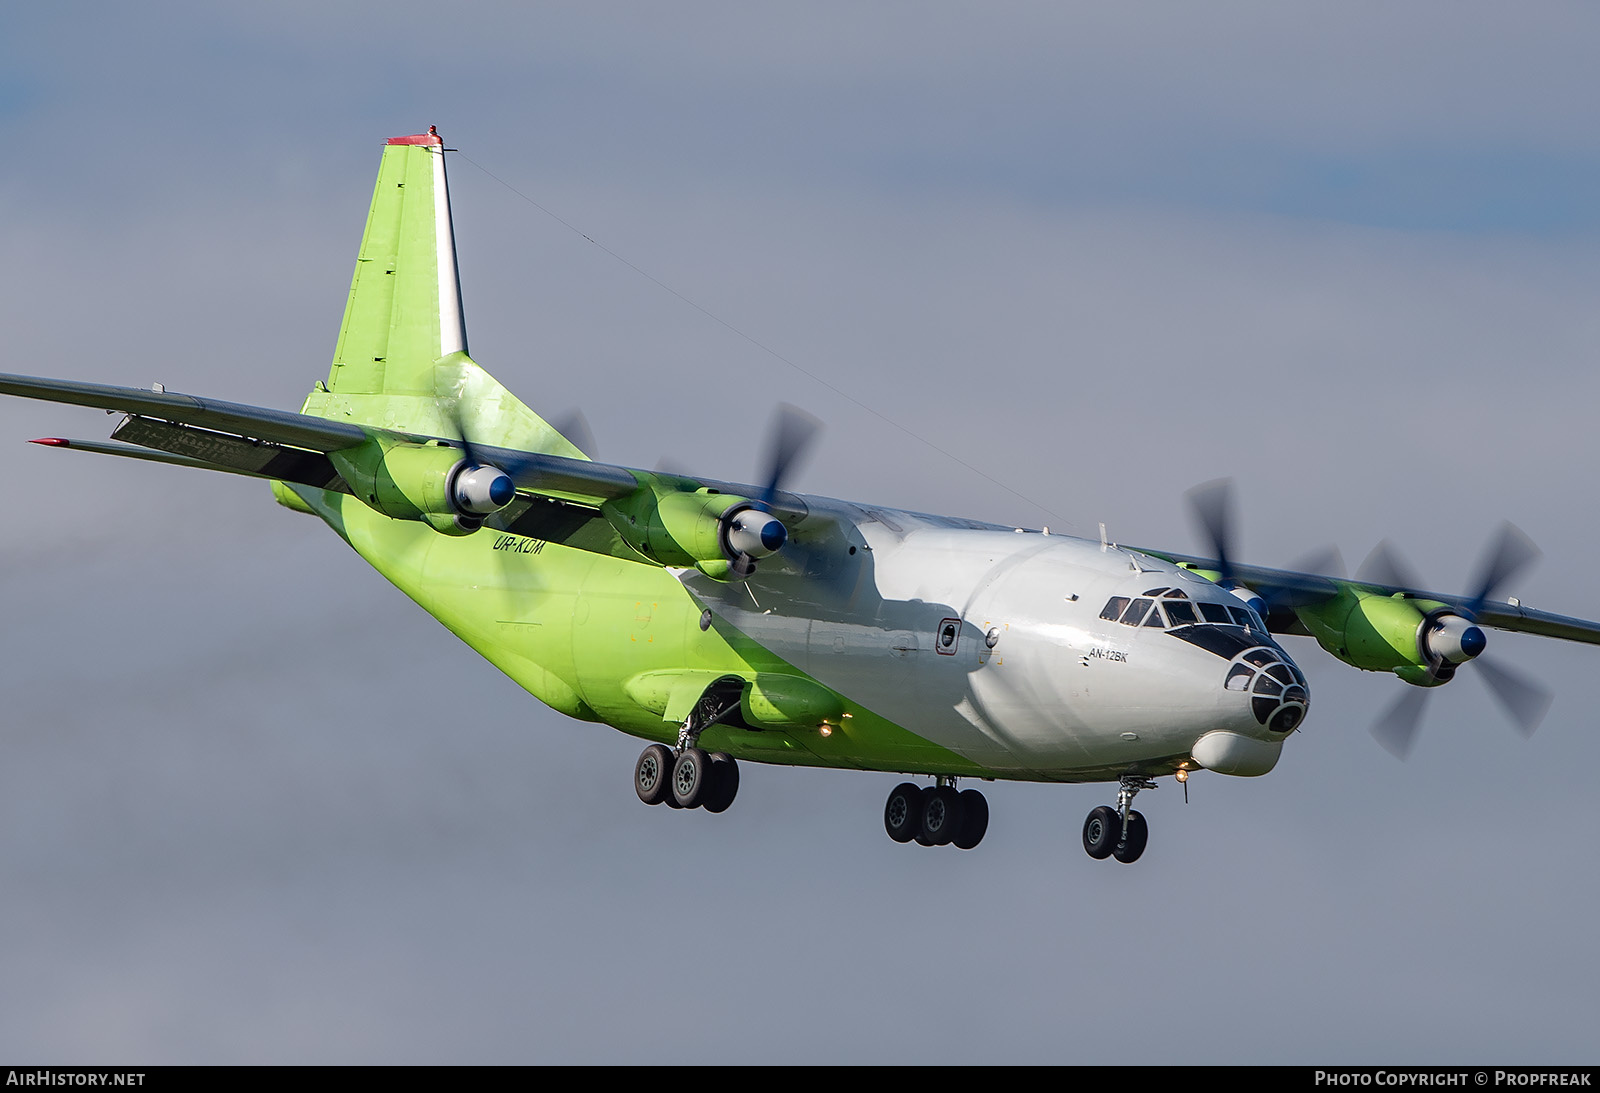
x=211 y=434
x=1284 y=589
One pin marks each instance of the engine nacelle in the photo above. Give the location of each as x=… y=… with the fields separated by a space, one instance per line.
x=719 y=534
x=427 y=482
x=1421 y=641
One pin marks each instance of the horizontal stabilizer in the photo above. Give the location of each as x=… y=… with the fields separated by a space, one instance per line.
x=131 y=451
x=232 y=453
x=276 y=426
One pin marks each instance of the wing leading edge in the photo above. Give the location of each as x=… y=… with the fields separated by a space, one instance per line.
x=212 y=434
x=1286 y=589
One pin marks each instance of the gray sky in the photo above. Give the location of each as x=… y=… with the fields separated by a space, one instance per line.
x=255 y=806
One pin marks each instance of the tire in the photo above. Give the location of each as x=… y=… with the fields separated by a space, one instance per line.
x=941 y=815
x=652 y=774
x=1129 y=849
x=691 y=778
x=974 y=819
x=724 y=783
x=902 y=813
x=1101 y=831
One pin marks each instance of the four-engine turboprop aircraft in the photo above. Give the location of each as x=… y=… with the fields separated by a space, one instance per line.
x=723 y=622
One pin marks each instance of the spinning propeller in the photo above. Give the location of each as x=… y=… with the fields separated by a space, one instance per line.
x=1211 y=504
x=747 y=530
x=477 y=488
x=1458 y=639
x=1450 y=637
x=753 y=532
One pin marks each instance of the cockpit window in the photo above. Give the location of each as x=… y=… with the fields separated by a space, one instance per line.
x=1175 y=608
x=1181 y=614
x=1135 y=613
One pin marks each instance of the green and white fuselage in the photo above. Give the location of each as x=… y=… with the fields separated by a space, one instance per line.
x=859 y=659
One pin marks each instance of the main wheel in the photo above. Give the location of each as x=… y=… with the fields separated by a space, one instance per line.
x=691 y=778
x=1132 y=844
x=1101 y=831
x=941 y=815
x=724 y=783
x=974 y=819
x=902 y=813
x=652 y=774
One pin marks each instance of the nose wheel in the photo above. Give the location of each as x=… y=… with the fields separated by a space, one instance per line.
x=936 y=815
x=1119 y=832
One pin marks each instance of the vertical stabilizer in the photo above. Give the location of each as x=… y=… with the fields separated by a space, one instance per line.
x=401 y=360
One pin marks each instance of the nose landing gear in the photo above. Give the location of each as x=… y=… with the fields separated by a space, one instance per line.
x=1119 y=832
x=936 y=815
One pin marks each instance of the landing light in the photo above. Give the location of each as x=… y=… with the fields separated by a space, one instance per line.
x=825 y=729
x=1182 y=775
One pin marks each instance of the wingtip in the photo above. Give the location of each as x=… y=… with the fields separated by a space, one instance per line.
x=52 y=441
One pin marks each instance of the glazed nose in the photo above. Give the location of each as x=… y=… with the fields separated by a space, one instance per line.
x=1277 y=692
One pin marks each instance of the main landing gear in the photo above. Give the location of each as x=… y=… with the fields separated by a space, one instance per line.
x=688 y=776
x=936 y=815
x=1119 y=832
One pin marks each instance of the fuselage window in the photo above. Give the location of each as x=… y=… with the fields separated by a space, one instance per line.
x=1155 y=618
x=1154 y=591
x=1114 y=608
x=1215 y=612
x=1240 y=615
x=1177 y=594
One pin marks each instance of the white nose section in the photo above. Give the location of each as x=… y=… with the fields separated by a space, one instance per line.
x=1241 y=756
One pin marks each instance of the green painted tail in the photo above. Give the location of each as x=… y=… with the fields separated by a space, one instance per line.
x=401 y=362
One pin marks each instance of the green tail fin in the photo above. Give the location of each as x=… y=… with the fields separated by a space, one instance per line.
x=401 y=361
